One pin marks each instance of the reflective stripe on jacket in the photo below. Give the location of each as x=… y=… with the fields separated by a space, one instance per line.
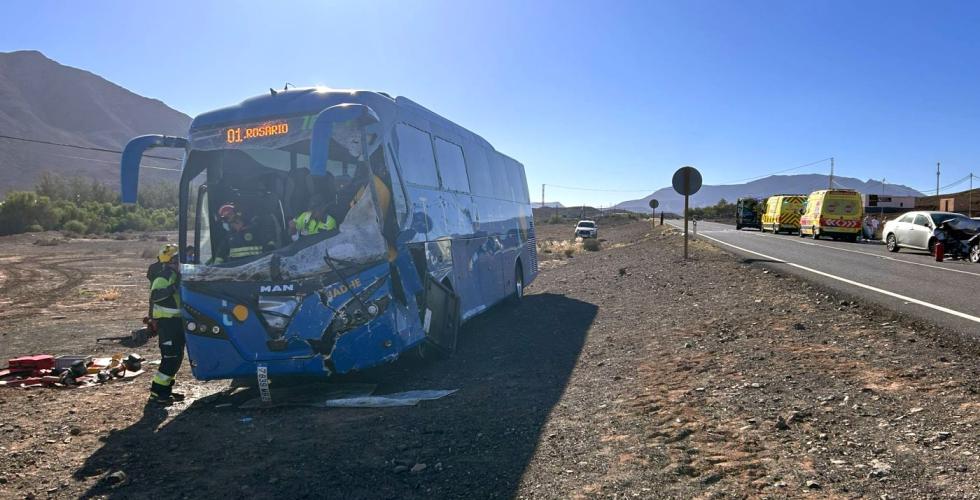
x=306 y=225
x=239 y=252
x=165 y=294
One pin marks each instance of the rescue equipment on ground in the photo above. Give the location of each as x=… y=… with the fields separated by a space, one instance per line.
x=70 y=371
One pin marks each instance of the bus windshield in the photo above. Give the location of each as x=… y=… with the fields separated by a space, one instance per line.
x=260 y=213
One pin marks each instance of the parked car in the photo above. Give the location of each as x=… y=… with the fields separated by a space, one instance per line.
x=915 y=230
x=960 y=237
x=748 y=212
x=586 y=229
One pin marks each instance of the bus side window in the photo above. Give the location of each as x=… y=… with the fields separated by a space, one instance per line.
x=452 y=166
x=415 y=156
x=478 y=170
x=498 y=172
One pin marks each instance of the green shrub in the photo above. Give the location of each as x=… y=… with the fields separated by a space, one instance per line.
x=75 y=227
x=554 y=219
x=591 y=245
x=77 y=206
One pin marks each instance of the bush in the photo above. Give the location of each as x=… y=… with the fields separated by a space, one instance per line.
x=554 y=219
x=78 y=206
x=75 y=227
x=591 y=245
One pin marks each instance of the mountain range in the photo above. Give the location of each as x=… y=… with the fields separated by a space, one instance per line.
x=670 y=201
x=41 y=99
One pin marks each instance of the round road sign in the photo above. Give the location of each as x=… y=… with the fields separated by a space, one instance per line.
x=654 y=204
x=687 y=181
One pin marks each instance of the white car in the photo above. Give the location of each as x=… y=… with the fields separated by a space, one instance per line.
x=586 y=229
x=914 y=230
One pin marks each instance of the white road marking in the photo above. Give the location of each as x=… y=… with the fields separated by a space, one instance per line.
x=903 y=261
x=803 y=242
x=855 y=283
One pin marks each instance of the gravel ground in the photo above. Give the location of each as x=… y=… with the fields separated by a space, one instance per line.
x=626 y=372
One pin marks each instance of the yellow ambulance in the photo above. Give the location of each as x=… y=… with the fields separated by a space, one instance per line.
x=833 y=212
x=783 y=213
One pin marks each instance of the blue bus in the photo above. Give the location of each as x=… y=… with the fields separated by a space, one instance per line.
x=433 y=227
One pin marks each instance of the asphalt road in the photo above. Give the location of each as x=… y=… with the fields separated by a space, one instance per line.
x=910 y=282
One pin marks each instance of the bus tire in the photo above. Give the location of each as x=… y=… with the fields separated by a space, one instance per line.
x=518 y=293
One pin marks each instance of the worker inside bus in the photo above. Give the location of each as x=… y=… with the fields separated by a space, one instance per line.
x=245 y=237
x=313 y=221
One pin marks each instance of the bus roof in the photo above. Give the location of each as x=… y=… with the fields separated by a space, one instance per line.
x=296 y=101
x=310 y=100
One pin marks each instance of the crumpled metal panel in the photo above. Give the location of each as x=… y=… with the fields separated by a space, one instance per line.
x=359 y=241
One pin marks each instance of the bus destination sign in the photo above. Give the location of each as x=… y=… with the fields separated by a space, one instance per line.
x=235 y=135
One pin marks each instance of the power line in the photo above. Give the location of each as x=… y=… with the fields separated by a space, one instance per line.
x=88 y=148
x=603 y=190
x=947 y=186
x=112 y=162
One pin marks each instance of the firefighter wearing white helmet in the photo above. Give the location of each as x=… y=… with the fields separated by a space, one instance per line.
x=165 y=311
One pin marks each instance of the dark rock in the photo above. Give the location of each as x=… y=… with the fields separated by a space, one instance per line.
x=781 y=423
x=117 y=478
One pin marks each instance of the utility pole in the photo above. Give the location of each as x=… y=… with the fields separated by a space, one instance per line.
x=831 y=184
x=937 y=182
x=970 y=202
x=881 y=208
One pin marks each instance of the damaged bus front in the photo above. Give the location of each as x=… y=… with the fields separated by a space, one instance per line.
x=261 y=291
x=317 y=303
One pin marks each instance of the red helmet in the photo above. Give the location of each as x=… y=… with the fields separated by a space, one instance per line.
x=227 y=211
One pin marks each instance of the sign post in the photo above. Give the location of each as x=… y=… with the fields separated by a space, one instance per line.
x=653 y=206
x=686 y=181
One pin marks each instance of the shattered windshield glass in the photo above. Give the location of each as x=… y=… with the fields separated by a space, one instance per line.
x=267 y=216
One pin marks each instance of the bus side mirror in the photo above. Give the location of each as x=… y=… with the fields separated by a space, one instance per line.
x=360 y=114
x=129 y=167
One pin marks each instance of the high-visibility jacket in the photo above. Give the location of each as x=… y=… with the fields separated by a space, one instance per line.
x=165 y=294
x=243 y=244
x=306 y=225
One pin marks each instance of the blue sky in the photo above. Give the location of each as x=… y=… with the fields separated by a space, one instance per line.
x=605 y=95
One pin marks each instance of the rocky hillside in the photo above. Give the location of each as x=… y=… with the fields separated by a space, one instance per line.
x=44 y=100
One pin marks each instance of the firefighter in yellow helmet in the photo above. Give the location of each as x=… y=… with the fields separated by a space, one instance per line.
x=165 y=311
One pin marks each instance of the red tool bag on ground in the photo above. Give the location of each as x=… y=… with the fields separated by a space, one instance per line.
x=31 y=363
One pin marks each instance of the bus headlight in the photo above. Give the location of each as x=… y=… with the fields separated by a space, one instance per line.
x=277 y=311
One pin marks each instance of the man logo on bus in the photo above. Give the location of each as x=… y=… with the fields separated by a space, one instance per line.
x=276 y=288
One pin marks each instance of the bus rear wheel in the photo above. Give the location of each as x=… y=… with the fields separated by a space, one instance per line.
x=518 y=293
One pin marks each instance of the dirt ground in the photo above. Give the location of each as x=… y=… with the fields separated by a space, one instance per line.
x=625 y=372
